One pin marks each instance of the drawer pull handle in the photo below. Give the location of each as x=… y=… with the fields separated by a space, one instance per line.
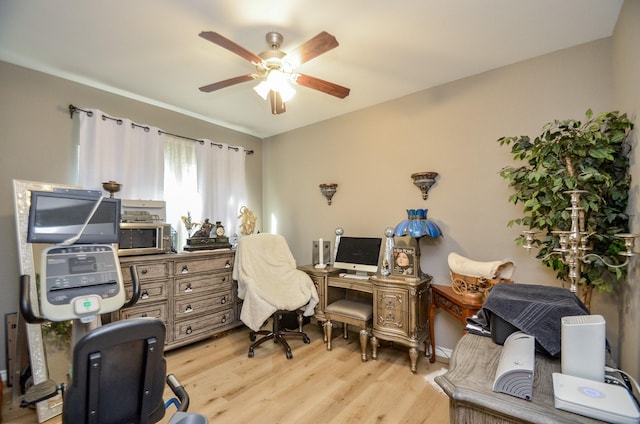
x=224 y=319
x=224 y=279
x=227 y=264
x=188 y=309
x=144 y=315
x=188 y=289
x=143 y=271
x=189 y=330
x=223 y=300
x=185 y=269
x=144 y=295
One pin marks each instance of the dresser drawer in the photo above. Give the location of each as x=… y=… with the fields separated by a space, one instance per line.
x=185 y=267
x=202 y=325
x=203 y=284
x=364 y=286
x=153 y=311
x=196 y=305
x=148 y=271
x=391 y=310
x=149 y=292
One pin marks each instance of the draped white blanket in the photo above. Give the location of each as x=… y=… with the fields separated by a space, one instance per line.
x=489 y=270
x=268 y=279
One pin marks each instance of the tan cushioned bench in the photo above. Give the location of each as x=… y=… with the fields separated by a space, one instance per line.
x=348 y=312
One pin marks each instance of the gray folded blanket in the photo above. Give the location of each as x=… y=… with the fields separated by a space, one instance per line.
x=536 y=310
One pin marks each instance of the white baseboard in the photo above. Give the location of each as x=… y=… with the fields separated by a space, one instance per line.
x=443 y=354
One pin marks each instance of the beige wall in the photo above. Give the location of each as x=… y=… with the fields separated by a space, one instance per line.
x=36 y=145
x=451 y=129
x=626 y=72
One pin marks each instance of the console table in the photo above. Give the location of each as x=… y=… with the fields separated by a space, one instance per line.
x=454 y=304
x=469 y=382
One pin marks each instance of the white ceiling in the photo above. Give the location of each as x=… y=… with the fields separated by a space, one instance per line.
x=149 y=50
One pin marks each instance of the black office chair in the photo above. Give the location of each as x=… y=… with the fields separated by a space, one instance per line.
x=271 y=285
x=118 y=374
x=118 y=377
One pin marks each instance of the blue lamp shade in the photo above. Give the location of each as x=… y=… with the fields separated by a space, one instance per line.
x=417 y=225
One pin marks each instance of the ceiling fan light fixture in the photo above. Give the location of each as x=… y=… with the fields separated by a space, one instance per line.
x=275 y=69
x=286 y=91
x=262 y=89
x=276 y=80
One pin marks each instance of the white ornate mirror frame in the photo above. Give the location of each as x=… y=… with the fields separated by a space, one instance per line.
x=39 y=369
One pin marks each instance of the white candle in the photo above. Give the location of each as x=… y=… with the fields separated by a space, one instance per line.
x=321 y=252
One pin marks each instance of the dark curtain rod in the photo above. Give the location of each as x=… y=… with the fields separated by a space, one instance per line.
x=73 y=109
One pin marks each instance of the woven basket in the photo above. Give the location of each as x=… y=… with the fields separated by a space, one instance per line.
x=462 y=284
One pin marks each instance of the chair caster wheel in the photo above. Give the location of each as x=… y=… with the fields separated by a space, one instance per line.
x=289 y=355
x=306 y=340
x=250 y=354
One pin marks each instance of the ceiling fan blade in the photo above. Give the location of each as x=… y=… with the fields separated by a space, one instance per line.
x=226 y=83
x=277 y=105
x=322 y=85
x=224 y=42
x=312 y=48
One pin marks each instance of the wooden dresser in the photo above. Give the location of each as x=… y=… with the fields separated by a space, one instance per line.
x=192 y=292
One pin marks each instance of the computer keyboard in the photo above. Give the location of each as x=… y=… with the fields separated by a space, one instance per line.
x=354 y=276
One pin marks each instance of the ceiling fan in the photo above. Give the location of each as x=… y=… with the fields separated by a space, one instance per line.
x=275 y=68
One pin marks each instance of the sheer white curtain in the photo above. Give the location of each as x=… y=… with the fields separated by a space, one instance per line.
x=221 y=182
x=181 y=185
x=118 y=150
x=205 y=178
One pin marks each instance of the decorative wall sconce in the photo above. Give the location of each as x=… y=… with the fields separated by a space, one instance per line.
x=424 y=181
x=328 y=190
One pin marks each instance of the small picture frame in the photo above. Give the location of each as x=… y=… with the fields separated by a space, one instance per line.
x=404 y=262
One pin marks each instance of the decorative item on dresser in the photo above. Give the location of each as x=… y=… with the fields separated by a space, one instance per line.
x=193 y=293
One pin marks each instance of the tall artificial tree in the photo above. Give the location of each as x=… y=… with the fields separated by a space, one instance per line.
x=590 y=155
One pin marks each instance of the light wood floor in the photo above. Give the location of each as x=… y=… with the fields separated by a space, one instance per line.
x=315 y=386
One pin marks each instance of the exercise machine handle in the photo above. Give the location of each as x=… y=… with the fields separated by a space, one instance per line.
x=179 y=391
x=136 y=287
x=25 y=302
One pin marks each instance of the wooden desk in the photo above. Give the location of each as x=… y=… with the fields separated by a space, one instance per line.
x=454 y=304
x=469 y=382
x=400 y=306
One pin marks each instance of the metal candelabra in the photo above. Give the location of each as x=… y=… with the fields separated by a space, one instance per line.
x=574 y=244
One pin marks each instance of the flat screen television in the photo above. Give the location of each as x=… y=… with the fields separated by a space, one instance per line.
x=59 y=216
x=360 y=254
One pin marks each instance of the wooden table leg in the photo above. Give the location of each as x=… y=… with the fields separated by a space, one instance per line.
x=432 y=315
